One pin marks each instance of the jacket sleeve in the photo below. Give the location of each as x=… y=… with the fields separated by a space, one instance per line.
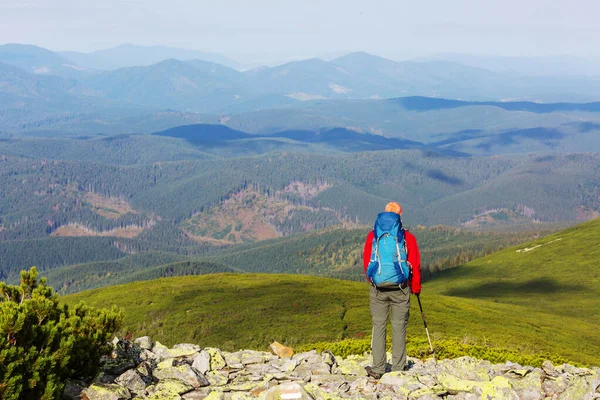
x=414 y=258
x=367 y=250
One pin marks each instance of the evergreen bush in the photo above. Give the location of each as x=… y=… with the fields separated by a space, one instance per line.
x=42 y=342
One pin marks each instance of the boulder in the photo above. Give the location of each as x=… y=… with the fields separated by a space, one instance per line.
x=290 y=390
x=132 y=380
x=202 y=362
x=350 y=367
x=144 y=342
x=217 y=361
x=183 y=373
x=167 y=390
x=216 y=378
x=548 y=369
x=99 y=391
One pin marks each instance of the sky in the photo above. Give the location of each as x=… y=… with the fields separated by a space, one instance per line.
x=397 y=29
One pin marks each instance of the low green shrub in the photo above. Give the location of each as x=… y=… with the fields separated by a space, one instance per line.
x=449 y=348
x=42 y=342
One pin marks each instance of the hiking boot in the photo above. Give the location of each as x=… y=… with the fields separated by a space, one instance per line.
x=372 y=373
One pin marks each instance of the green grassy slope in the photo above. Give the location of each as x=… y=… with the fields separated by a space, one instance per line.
x=541 y=300
x=235 y=311
x=558 y=274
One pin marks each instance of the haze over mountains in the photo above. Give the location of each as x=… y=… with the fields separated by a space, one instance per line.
x=46 y=93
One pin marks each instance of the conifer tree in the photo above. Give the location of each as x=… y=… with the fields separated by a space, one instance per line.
x=43 y=342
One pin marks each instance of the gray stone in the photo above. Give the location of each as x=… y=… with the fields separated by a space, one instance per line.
x=183 y=373
x=198 y=394
x=529 y=387
x=132 y=381
x=188 y=347
x=233 y=360
x=255 y=357
x=289 y=366
x=217 y=378
x=202 y=362
x=350 y=367
x=217 y=361
x=167 y=390
x=147 y=355
x=549 y=369
x=144 y=342
x=98 y=391
x=328 y=358
x=554 y=387
x=145 y=370
x=290 y=390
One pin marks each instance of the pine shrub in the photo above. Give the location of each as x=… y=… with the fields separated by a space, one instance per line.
x=43 y=342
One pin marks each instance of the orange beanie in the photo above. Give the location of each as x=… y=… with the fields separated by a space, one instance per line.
x=393 y=207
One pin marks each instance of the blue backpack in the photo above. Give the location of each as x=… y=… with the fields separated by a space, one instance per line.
x=388 y=265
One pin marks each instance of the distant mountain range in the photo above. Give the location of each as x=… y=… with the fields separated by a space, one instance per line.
x=130 y=55
x=46 y=93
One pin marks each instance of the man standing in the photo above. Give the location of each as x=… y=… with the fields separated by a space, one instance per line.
x=392 y=264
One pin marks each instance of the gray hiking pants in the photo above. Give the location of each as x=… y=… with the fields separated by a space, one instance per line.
x=398 y=301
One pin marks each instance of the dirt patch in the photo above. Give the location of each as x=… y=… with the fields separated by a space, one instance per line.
x=109 y=207
x=306 y=190
x=250 y=215
x=81 y=230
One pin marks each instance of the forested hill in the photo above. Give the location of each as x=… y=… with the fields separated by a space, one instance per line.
x=43 y=195
x=332 y=252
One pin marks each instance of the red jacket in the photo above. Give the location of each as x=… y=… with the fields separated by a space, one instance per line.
x=412 y=254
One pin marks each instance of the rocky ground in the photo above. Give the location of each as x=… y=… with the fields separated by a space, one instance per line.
x=147 y=370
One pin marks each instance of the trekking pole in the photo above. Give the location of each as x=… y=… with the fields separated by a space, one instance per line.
x=425 y=323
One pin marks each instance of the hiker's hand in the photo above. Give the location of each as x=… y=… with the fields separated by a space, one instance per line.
x=415 y=292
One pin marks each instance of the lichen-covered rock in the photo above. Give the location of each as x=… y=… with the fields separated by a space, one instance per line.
x=215 y=396
x=328 y=358
x=468 y=368
x=167 y=390
x=246 y=374
x=100 y=391
x=498 y=388
x=198 y=394
x=144 y=342
x=290 y=390
x=233 y=360
x=217 y=378
x=581 y=387
x=350 y=367
x=549 y=369
x=132 y=380
x=217 y=361
x=529 y=387
x=401 y=379
x=183 y=373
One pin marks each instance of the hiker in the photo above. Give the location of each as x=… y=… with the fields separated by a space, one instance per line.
x=392 y=265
